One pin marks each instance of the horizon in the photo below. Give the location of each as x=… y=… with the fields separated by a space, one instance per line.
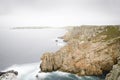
x=58 y=13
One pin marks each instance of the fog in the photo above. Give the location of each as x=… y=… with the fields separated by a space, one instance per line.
x=27 y=45
x=17 y=13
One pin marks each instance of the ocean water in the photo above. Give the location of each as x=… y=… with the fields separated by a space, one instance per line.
x=20 y=50
x=31 y=72
x=20 y=46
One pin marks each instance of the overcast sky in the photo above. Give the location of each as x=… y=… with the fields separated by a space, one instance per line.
x=14 y=13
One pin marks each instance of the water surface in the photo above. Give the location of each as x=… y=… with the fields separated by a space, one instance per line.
x=20 y=50
x=29 y=72
x=19 y=46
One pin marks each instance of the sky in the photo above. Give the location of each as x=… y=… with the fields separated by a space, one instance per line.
x=19 y=13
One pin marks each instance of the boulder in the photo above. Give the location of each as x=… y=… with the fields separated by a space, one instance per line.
x=9 y=75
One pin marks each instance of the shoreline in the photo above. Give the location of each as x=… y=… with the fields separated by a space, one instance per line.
x=88 y=39
x=108 y=42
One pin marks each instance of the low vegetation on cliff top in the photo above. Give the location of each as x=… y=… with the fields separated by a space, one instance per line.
x=94 y=33
x=111 y=32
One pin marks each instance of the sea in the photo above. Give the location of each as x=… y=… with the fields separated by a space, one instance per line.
x=21 y=50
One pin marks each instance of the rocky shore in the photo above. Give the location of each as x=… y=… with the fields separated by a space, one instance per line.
x=9 y=75
x=115 y=72
x=90 y=50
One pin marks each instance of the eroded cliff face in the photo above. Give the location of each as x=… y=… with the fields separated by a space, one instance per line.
x=115 y=72
x=90 y=50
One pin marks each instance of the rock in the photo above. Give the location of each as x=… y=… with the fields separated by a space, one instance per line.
x=9 y=75
x=36 y=76
x=49 y=60
x=115 y=72
x=90 y=50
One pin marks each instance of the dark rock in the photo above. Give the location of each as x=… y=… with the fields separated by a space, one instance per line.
x=56 y=40
x=12 y=71
x=36 y=76
x=9 y=75
x=1 y=73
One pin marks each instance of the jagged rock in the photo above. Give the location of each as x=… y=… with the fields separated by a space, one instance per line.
x=49 y=60
x=9 y=75
x=115 y=72
x=90 y=51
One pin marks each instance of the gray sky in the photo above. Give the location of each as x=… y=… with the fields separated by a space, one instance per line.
x=58 y=12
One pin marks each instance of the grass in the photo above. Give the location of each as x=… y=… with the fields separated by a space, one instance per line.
x=111 y=32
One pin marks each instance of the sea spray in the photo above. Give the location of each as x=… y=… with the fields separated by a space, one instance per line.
x=25 y=71
x=31 y=72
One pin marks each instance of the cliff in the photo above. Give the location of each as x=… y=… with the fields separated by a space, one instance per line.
x=90 y=50
x=115 y=72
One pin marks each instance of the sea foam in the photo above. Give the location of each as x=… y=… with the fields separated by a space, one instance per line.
x=31 y=72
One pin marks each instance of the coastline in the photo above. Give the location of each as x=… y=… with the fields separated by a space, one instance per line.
x=90 y=50
x=96 y=41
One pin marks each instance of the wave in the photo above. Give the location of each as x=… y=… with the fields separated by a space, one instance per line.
x=31 y=72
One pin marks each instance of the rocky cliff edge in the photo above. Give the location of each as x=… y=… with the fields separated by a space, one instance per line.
x=90 y=50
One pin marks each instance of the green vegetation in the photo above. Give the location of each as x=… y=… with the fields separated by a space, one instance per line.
x=111 y=32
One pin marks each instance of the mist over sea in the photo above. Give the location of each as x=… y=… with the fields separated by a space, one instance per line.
x=20 y=46
x=21 y=49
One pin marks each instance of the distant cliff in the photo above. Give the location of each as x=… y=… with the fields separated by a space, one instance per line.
x=90 y=50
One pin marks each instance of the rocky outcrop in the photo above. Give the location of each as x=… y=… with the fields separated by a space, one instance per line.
x=9 y=75
x=115 y=72
x=90 y=50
